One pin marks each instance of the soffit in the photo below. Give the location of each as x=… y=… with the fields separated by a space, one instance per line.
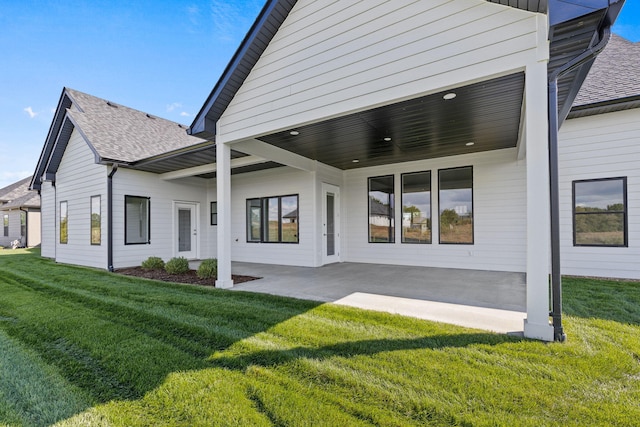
x=485 y=113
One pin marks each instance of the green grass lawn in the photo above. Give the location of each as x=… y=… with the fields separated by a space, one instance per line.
x=85 y=347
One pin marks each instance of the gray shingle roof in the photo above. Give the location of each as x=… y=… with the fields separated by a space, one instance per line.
x=18 y=195
x=15 y=190
x=615 y=73
x=123 y=134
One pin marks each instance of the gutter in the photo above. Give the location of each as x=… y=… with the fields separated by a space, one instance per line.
x=114 y=169
x=556 y=279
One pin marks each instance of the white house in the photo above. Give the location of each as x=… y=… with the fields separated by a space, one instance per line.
x=326 y=106
x=599 y=174
x=20 y=214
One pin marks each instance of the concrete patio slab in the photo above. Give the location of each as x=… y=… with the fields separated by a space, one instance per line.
x=488 y=300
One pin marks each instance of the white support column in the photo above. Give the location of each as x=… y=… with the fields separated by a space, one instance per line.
x=223 y=183
x=538 y=217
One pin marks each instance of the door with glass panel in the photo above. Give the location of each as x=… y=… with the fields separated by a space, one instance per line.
x=330 y=224
x=186 y=230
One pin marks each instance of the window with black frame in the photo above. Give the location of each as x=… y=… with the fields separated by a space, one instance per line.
x=416 y=207
x=273 y=219
x=456 y=205
x=600 y=212
x=137 y=220
x=381 y=209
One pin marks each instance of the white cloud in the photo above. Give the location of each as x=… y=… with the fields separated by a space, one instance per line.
x=9 y=177
x=231 y=20
x=30 y=112
x=173 y=106
x=185 y=114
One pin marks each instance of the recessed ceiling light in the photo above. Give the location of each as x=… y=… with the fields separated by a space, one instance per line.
x=449 y=96
x=355 y=161
x=387 y=139
x=469 y=144
x=294 y=133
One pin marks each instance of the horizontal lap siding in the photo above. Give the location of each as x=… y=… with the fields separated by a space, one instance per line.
x=162 y=196
x=77 y=179
x=499 y=196
x=603 y=146
x=331 y=58
x=14 y=227
x=48 y=220
x=274 y=182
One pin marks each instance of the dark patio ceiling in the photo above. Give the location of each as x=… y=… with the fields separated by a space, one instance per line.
x=486 y=114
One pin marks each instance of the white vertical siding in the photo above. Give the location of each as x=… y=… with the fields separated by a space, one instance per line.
x=499 y=208
x=78 y=179
x=330 y=58
x=48 y=220
x=602 y=146
x=275 y=182
x=163 y=195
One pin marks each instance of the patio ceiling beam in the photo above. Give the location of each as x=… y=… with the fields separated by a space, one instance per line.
x=276 y=154
x=210 y=168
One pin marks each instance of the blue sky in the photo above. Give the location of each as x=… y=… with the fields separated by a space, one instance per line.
x=161 y=57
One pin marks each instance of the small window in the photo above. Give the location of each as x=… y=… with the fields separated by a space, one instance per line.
x=381 y=210
x=64 y=223
x=96 y=221
x=273 y=219
x=23 y=224
x=456 y=205
x=5 y=221
x=416 y=207
x=600 y=212
x=137 y=220
x=214 y=213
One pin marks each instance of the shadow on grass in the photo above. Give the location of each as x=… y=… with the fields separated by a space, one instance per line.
x=271 y=358
x=614 y=300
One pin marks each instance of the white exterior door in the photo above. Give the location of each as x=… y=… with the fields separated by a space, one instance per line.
x=186 y=230
x=330 y=224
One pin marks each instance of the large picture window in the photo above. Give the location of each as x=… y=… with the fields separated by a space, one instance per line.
x=381 y=209
x=416 y=207
x=5 y=224
x=273 y=219
x=456 y=205
x=136 y=220
x=600 y=212
x=96 y=222
x=64 y=222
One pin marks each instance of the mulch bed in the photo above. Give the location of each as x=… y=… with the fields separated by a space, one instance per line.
x=189 y=277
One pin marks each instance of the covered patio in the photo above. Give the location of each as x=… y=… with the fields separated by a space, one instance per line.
x=489 y=300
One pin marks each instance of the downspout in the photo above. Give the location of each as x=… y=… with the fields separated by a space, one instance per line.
x=556 y=279
x=114 y=169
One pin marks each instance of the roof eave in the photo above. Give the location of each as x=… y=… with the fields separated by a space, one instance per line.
x=273 y=13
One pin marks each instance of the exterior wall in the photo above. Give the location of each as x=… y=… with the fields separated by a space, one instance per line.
x=48 y=220
x=499 y=205
x=163 y=195
x=14 y=227
x=77 y=180
x=275 y=182
x=602 y=146
x=332 y=58
x=499 y=215
x=34 y=233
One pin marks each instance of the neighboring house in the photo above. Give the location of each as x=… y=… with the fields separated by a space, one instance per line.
x=438 y=104
x=20 y=215
x=600 y=173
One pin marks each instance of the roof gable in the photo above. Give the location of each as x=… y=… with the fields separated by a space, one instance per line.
x=114 y=132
